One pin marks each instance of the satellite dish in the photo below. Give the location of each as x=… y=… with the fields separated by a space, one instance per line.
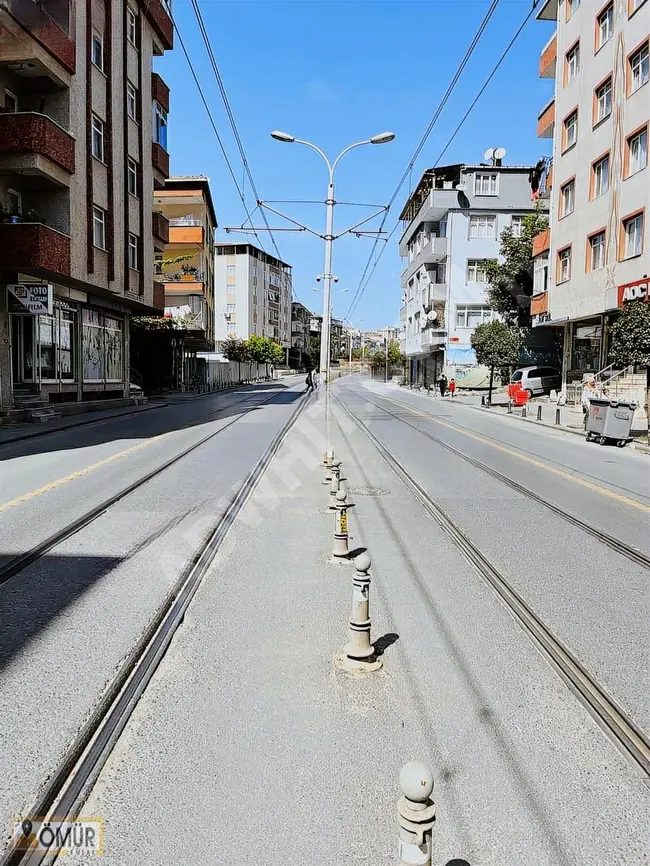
x=499 y=153
x=432 y=316
x=489 y=153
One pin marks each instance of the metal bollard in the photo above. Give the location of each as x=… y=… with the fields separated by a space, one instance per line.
x=482 y=399
x=416 y=815
x=539 y=413
x=359 y=652
x=557 y=415
x=340 y=548
x=328 y=459
x=524 y=411
x=509 y=407
x=335 y=483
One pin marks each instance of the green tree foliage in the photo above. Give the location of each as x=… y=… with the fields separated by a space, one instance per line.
x=511 y=278
x=496 y=345
x=264 y=350
x=395 y=357
x=630 y=341
x=235 y=349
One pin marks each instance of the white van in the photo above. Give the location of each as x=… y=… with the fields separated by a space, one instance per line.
x=538 y=380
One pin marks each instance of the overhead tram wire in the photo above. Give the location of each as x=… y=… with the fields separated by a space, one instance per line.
x=363 y=285
x=407 y=172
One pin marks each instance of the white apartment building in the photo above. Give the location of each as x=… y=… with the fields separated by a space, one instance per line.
x=452 y=225
x=597 y=246
x=252 y=294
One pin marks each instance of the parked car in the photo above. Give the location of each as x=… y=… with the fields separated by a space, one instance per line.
x=538 y=380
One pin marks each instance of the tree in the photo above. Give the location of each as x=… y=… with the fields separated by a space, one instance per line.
x=395 y=357
x=264 y=350
x=235 y=349
x=510 y=279
x=630 y=342
x=496 y=345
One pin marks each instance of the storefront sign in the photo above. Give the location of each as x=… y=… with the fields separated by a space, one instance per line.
x=638 y=291
x=33 y=298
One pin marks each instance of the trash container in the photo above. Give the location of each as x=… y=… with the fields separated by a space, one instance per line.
x=610 y=420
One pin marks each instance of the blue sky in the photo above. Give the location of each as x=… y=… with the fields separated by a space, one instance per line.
x=334 y=72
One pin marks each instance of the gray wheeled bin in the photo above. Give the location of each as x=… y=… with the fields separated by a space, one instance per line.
x=610 y=420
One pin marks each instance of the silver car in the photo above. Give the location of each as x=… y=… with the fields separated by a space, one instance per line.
x=538 y=380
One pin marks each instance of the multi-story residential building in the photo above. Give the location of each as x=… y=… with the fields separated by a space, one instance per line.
x=186 y=204
x=596 y=252
x=300 y=337
x=253 y=294
x=78 y=163
x=452 y=225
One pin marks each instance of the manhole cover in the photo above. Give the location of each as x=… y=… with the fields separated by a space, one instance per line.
x=369 y=491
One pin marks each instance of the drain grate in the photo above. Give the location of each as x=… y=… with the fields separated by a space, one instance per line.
x=370 y=491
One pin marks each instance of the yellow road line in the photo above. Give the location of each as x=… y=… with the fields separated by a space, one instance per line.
x=604 y=491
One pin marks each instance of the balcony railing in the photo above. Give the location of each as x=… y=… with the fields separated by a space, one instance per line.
x=546 y=121
x=185 y=221
x=34 y=247
x=45 y=29
x=160 y=159
x=160 y=226
x=29 y=132
x=548 y=59
x=159 y=91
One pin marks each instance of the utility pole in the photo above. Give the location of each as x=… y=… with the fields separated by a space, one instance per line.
x=386 y=358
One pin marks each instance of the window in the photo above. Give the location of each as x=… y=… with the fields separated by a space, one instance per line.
x=131 y=27
x=11 y=101
x=633 y=236
x=633 y=5
x=15 y=201
x=517 y=226
x=567 y=198
x=638 y=69
x=230 y=308
x=600 y=177
x=540 y=274
x=132 y=176
x=470 y=317
x=604 y=26
x=596 y=251
x=231 y=327
x=98 y=51
x=160 y=125
x=572 y=7
x=133 y=252
x=99 y=228
x=636 y=157
x=572 y=64
x=98 y=137
x=102 y=346
x=486 y=184
x=570 y=130
x=481 y=226
x=603 y=101
x=476 y=271
x=231 y=269
x=131 y=101
x=564 y=265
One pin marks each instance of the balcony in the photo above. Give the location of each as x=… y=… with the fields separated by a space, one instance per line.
x=155 y=11
x=34 y=144
x=433 y=209
x=431 y=253
x=546 y=121
x=51 y=34
x=432 y=339
x=433 y=293
x=159 y=91
x=34 y=248
x=187 y=284
x=547 y=10
x=541 y=243
x=539 y=304
x=160 y=227
x=160 y=159
x=158 y=297
x=548 y=60
x=183 y=232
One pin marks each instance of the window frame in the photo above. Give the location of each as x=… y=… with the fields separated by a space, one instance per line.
x=475 y=265
x=572 y=7
x=622 y=256
x=229 y=272
x=629 y=73
x=593 y=176
x=560 y=253
x=631 y=9
x=132 y=26
x=101 y=222
x=574 y=51
x=520 y=223
x=484 y=174
x=486 y=312
x=608 y=8
x=607 y=80
x=11 y=95
x=159 y=112
x=589 y=262
x=100 y=132
x=565 y=139
x=97 y=38
x=570 y=182
x=132 y=246
x=132 y=172
x=132 y=98
x=479 y=217
x=18 y=196
x=636 y=133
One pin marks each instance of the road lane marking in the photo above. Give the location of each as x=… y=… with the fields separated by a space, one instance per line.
x=604 y=491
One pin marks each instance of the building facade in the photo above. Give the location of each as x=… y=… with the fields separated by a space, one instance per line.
x=452 y=226
x=596 y=252
x=253 y=294
x=82 y=144
x=186 y=203
x=300 y=336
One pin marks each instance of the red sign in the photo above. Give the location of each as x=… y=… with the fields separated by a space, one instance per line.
x=638 y=291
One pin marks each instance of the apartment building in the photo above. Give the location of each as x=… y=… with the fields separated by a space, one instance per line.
x=452 y=223
x=253 y=294
x=82 y=145
x=300 y=337
x=186 y=204
x=596 y=253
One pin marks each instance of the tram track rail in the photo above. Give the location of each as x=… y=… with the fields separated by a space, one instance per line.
x=632 y=553
x=633 y=742
x=69 y=785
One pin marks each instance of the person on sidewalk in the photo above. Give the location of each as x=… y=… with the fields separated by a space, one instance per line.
x=442 y=384
x=309 y=381
x=452 y=387
x=590 y=390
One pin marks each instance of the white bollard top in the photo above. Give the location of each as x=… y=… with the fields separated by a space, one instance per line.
x=362 y=562
x=341 y=496
x=416 y=781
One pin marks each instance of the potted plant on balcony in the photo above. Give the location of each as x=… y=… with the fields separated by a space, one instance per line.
x=189 y=274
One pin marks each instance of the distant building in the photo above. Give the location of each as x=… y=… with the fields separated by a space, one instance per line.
x=300 y=334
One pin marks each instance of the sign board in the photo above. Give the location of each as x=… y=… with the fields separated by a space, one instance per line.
x=33 y=298
x=638 y=291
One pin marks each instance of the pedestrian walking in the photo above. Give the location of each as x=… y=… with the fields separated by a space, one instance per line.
x=442 y=384
x=452 y=387
x=309 y=381
x=590 y=390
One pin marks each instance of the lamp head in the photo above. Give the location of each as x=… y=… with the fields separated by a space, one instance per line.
x=382 y=138
x=282 y=136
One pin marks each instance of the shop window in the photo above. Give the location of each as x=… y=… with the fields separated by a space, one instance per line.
x=586 y=346
x=103 y=344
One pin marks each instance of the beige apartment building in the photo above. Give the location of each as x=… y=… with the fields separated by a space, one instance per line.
x=596 y=254
x=82 y=145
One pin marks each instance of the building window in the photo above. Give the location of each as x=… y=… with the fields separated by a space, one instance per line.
x=11 y=101
x=231 y=270
x=132 y=176
x=476 y=271
x=98 y=51
x=517 y=226
x=632 y=236
x=636 y=157
x=102 y=346
x=596 y=251
x=600 y=177
x=230 y=308
x=131 y=27
x=572 y=63
x=160 y=125
x=633 y=5
x=99 y=228
x=15 y=201
x=486 y=184
x=540 y=274
x=231 y=327
x=471 y=316
x=638 y=69
x=564 y=265
x=481 y=226
x=572 y=7
x=98 y=137
x=567 y=198
x=603 y=101
x=570 y=131
x=131 y=101
x=133 y=252
x=604 y=26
